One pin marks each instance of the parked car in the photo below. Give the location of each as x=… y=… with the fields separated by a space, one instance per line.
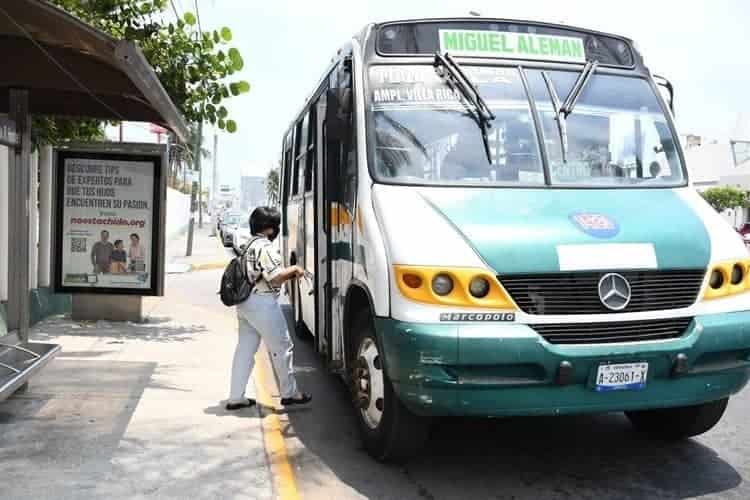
x=229 y=223
x=744 y=229
x=238 y=237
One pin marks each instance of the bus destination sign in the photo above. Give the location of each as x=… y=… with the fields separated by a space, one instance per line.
x=510 y=45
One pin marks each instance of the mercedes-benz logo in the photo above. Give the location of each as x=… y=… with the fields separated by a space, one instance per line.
x=614 y=291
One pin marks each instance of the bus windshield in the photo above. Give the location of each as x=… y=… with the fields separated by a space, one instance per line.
x=424 y=132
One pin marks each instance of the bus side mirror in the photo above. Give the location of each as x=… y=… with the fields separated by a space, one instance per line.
x=666 y=89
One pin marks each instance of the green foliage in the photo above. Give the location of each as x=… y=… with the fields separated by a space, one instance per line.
x=723 y=198
x=272 y=186
x=193 y=66
x=54 y=130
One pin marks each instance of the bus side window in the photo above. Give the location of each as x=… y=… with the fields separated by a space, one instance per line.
x=349 y=145
x=302 y=144
x=311 y=142
x=295 y=162
x=286 y=174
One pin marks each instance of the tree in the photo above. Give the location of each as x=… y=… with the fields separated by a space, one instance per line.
x=272 y=186
x=192 y=65
x=726 y=197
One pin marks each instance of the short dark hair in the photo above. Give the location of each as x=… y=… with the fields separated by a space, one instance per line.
x=118 y=242
x=104 y=231
x=264 y=218
x=136 y=236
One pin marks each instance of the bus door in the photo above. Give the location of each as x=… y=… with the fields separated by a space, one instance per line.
x=322 y=232
x=340 y=169
x=307 y=233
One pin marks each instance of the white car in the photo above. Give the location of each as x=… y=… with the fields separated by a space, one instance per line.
x=229 y=223
x=240 y=236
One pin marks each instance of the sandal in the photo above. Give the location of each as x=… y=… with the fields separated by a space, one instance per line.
x=303 y=399
x=236 y=406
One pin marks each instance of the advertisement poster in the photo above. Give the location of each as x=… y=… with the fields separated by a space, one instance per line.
x=105 y=222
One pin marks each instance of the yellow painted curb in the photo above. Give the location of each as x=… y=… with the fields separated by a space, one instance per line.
x=282 y=472
x=209 y=265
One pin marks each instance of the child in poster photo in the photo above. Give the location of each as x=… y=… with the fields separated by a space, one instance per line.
x=119 y=259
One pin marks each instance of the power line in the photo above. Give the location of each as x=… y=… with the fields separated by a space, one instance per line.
x=176 y=14
x=198 y=17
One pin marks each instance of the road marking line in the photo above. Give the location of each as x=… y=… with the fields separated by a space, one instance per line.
x=282 y=472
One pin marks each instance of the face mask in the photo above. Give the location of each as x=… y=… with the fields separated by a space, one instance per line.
x=274 y=234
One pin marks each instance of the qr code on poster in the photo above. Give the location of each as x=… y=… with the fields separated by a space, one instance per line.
x=78 y=245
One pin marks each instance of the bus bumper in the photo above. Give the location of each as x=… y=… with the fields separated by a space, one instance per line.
x=496 y=369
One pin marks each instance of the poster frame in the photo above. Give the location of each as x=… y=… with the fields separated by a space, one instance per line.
x=156 y=153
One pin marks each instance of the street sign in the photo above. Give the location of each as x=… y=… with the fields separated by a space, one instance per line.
x=109 y=220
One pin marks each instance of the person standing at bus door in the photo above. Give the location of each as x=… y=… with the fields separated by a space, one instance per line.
x=260 y=316
x=101 y=254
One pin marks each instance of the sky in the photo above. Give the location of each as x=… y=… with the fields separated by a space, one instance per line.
x=700 y=46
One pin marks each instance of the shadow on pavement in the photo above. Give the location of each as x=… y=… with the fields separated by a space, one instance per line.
x=590 y=456
x=154 y=329
x=74 y=415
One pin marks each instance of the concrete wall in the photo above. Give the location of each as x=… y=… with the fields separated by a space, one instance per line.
x=178 y=213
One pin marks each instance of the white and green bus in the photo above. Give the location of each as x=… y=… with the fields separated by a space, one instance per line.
x=498 y=221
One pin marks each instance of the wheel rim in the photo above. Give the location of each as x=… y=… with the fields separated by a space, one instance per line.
x=369 y=383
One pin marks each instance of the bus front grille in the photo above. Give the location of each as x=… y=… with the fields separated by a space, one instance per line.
x=609 y=332
x=578 y=292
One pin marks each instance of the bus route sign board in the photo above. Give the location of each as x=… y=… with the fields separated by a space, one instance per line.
x=510 y=45
x=109 y=220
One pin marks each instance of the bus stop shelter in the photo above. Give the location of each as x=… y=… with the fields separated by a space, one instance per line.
x=55 y=64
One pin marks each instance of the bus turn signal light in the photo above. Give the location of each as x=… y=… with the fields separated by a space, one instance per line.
x=459 y=287
x=412 y=280
x=728 y=278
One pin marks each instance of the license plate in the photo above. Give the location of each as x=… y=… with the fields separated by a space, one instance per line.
x=621 y=377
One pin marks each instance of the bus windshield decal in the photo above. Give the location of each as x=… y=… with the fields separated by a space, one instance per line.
x=479 y=43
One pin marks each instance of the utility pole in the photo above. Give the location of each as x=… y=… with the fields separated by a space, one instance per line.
x=195 y=187
x=191 y=224
x=214 y=186
x=200 y=174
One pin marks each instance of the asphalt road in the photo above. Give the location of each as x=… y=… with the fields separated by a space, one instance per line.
x=596 y=456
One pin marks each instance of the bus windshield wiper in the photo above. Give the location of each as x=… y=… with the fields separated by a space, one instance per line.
x=562 y=128
x=578 y=86
x=562 y=111
x=458 y=79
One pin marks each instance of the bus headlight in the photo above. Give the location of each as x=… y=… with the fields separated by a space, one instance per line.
x=728 y=278
x=442 y=284
x=479 y=287
x=462 y=287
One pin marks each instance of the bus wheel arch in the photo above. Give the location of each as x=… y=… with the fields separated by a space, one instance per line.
x=358 y=301
x=389 y=430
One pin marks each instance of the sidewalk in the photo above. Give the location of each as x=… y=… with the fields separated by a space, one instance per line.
x=208 y=252
x=134 y=410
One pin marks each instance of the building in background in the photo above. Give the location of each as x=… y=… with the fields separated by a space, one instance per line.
x=713 y=163
x=252 y=192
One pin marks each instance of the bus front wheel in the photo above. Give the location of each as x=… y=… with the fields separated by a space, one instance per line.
x=390 y=431
x=678 y=423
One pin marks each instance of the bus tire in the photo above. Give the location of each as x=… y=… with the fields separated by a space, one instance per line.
x=389 y=431
x=680 y=422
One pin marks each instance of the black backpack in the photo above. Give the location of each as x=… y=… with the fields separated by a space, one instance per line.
x=235 y=285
